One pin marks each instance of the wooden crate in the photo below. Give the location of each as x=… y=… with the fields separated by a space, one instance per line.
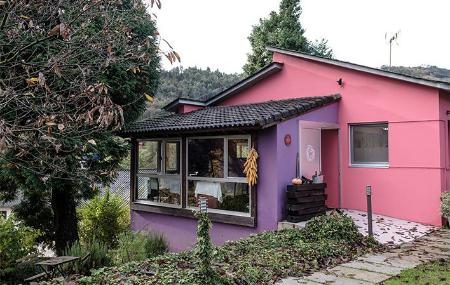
x=305 y=202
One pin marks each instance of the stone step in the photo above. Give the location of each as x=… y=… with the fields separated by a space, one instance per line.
x=383 y=268
x=358 y=274
x=322 y=278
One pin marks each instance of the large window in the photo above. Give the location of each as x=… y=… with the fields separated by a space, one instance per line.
x=159 y=176
x=369 y=145
x=215 y=173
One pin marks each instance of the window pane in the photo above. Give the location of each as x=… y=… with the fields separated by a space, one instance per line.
x=205 y=157
x=172 y=157
x=237 y=154
x=227 y=196
x=159 y=189
x=370 y=144
x=149 y=156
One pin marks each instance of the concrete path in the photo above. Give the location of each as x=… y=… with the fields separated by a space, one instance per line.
x=386 y=230
x=375 y=268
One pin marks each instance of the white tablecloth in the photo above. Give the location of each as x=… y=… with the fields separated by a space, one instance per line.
x=209 y=188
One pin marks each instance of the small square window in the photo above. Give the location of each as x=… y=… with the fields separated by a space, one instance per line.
x=369 y=144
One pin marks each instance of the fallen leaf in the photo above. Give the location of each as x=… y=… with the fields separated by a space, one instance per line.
x=149 y=98
x=32 y=81
x=54 y=31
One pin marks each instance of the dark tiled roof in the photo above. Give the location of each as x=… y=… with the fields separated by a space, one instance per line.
x=248 y=116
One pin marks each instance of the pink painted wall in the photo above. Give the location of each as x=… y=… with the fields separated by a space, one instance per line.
x=188 y=108
x=330 y=165
x=410 y=188
x=444 y=106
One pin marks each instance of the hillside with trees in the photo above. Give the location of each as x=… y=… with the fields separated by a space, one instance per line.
x=426 y=71
x=191 y=82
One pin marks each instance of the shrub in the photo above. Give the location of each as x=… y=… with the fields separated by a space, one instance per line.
x=103 y=219
x=16 y=242
x=97 y=254
x=445 y=204
x=137 y=246
x=204 y=248
x=334 y=226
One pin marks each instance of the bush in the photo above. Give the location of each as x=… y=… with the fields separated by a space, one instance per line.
x=204 y=249
x=97 y=256
x=16 y=242
x=445 y=204
x=103 y=219
x=334 y=226
x=137 y=246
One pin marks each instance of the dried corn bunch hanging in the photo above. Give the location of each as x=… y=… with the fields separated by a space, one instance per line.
x=251 y=167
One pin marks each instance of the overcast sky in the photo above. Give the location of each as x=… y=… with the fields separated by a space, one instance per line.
x=213 y=33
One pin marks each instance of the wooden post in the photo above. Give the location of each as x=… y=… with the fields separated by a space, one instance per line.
x=133 y=169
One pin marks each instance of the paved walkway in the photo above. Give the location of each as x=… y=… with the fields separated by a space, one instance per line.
x=375 y=268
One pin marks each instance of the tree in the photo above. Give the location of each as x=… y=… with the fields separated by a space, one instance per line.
x=72 y=73
x=192 y=82
x=283 y=30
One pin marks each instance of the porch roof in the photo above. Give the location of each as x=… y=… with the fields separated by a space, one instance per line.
x=227 y=118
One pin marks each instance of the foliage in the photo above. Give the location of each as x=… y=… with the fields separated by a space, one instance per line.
x=204 y=249
x=72 y=73
x=263 y=258
x=427 y=72
x=434 y=272
x=93 y=255
x=191 y=82
x=16 y=242
x=283 y=30
x=104 y=218
x=445 y=204
x=137 y=246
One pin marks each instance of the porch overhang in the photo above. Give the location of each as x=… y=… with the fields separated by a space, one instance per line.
x=227 y=119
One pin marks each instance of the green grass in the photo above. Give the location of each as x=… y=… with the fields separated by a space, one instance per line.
x=432 y=273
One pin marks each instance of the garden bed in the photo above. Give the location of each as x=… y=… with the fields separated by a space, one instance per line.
x=259 y=259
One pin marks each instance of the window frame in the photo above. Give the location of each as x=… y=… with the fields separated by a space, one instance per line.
x=225 y=178
x=378 y=164
x=162 y=172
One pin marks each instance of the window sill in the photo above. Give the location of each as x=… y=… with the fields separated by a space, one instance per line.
x=368 y=165
x=188 y=213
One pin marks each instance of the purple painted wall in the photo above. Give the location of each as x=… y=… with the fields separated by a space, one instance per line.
x=287 y=155
x=273 y=178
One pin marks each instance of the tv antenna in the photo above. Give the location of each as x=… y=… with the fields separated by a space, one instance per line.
x=391 y=39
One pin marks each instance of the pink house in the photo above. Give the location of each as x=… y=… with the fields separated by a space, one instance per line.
x=357 y=125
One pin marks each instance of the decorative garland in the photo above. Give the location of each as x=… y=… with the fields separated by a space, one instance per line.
x=251 y=167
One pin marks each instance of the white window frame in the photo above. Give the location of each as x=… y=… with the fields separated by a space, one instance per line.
x=225 y=173
x=380 y=164
x=162 y=173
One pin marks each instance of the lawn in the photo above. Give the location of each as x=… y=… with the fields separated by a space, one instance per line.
x=432 y=273
x=259 y=259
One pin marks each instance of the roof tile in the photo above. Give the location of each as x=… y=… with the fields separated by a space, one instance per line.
x=250 y=116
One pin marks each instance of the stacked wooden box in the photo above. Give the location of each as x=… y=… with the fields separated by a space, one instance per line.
x=305 y=201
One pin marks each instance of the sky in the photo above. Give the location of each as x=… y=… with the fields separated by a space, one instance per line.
x=213 y=33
